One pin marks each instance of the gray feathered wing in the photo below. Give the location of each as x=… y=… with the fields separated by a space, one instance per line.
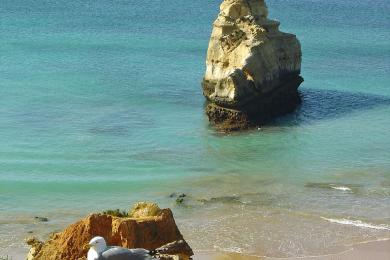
x=120 y=253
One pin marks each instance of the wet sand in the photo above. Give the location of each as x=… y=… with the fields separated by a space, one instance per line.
x=17 y=254
x=378 y=250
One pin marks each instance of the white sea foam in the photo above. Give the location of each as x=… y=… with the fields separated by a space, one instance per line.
x=357 y=223
x=230 y=249
x=342 y=188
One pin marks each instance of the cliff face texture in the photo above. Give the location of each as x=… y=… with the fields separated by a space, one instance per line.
x=253 y=69
x=157 y=232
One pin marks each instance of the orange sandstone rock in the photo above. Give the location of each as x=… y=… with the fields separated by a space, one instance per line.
x=149 y=232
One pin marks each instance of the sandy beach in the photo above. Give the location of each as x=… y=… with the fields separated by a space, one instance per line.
x=378 y=250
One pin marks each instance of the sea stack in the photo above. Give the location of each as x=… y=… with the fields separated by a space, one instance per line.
x=253 y=69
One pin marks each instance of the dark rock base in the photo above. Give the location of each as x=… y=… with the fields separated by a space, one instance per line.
x=258 y=111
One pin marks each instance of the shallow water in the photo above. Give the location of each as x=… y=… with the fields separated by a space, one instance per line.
x=100 y=105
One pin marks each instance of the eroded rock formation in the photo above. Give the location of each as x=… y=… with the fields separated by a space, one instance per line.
x=156 y=231
x=253 y=69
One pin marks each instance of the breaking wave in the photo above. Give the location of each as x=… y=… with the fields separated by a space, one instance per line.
x=342 y=188
x=357 y=223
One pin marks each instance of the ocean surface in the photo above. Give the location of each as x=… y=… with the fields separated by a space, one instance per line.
x=101 y=106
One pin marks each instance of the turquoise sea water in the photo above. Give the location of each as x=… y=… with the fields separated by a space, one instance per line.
x=101 y=106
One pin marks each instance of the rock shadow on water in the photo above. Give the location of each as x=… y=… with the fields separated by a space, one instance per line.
x=318 y=105
x=323 y=104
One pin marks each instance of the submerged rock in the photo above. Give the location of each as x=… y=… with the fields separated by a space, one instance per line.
x=253 y=69
x=188 y=201
x=152 y=228
x=181 y=198
x=223 y=199
x=41 y=219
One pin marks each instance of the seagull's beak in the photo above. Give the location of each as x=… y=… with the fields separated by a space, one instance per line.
x=88 y=246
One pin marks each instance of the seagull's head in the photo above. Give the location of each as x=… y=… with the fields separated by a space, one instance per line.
x=98 y=244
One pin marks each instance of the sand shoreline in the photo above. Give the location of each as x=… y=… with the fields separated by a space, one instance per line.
x=378 y=250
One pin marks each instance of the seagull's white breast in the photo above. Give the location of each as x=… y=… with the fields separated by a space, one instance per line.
x=92 y=254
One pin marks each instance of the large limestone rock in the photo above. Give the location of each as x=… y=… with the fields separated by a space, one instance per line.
x=253 y=69
x=146 y=230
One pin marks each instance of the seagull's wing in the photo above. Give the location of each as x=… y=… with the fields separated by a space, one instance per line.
x=120 y=253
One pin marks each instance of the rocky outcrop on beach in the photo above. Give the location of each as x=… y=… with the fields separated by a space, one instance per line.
x=253 y=69
x=147 y=227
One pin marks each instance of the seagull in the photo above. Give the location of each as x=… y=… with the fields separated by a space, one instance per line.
x=99 y=251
